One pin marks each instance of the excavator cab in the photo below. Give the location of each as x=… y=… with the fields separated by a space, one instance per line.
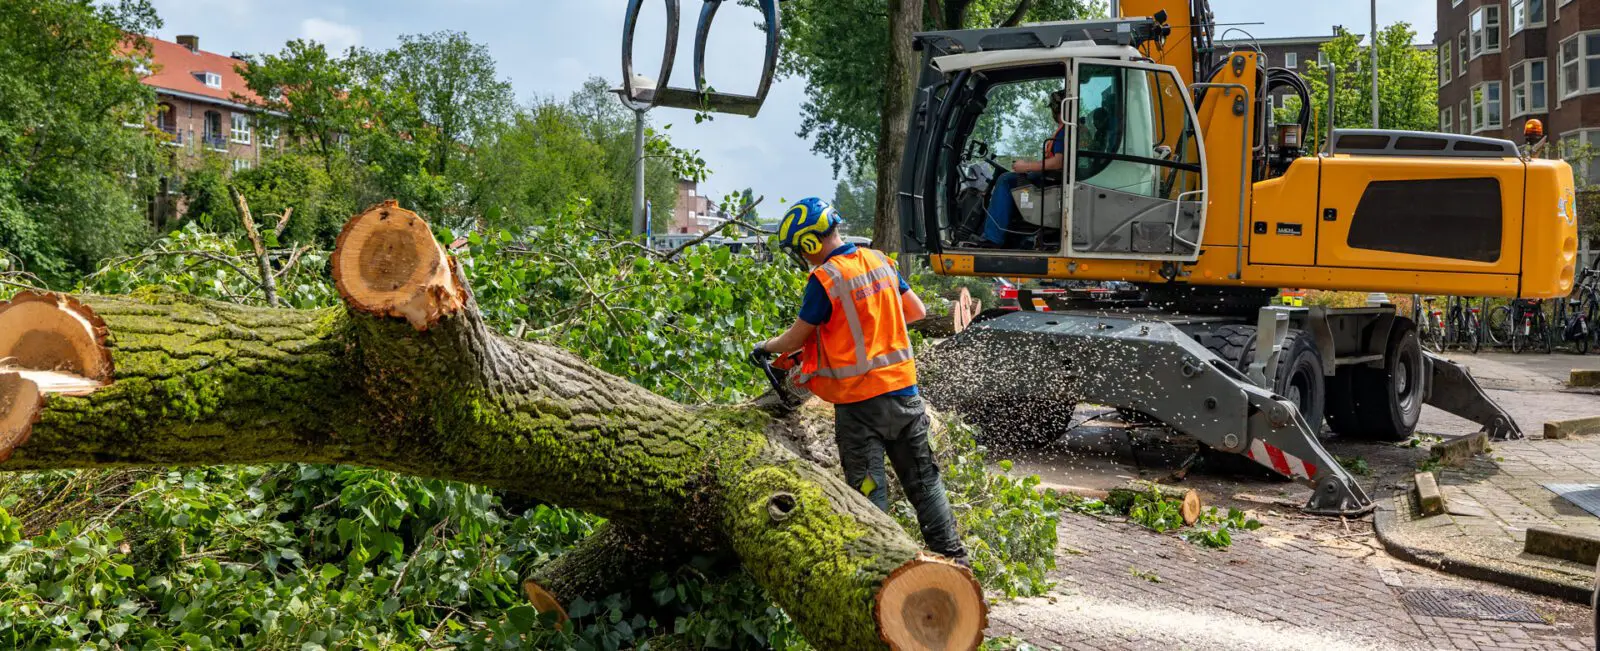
x=1124 y=170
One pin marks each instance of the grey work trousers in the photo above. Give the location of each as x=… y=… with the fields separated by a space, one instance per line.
x=898 y=426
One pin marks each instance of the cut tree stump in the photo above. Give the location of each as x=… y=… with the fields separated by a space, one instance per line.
x=1189 y=500
x=962 y=311
x=407 y=377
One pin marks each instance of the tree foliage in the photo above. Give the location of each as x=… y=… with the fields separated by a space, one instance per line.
x=1408 y=84
x=452 y=81
x=575 y=158
x=73 y=177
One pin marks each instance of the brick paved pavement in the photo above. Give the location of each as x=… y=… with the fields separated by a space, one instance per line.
x=1300 y=583
x=1495 y=498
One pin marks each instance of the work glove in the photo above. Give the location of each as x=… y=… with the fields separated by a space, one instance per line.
x=761 y=356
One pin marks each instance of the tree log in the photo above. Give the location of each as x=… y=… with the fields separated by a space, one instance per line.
x=407 y=377
x=1188 y=499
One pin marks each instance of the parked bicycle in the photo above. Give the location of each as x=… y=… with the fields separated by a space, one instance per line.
x=1431 y=324
x=1521 y=324
x=1576 y=315
x=1463 y=327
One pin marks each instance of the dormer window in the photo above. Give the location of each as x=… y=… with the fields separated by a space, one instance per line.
x=212 y=79
x=276 y=94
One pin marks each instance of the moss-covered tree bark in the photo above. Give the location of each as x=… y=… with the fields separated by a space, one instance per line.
x=407 y=377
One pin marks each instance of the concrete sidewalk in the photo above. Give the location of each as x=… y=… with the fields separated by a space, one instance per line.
x=1496 y=497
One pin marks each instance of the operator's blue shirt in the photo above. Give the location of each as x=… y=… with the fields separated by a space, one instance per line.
x=816 y=308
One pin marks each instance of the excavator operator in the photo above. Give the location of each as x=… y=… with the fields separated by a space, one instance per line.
x=1002 y=205
x=855 y=353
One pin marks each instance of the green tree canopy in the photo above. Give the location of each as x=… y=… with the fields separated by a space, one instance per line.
x=452 y=80
x=1408 y=84
x=73 y=177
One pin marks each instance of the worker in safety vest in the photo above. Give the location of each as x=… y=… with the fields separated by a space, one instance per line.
x=856 y=354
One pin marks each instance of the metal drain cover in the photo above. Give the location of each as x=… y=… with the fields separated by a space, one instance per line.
x=1585 y=496
x=1465 y=604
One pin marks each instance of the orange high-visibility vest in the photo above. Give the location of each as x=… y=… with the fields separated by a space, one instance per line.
x=863 y=350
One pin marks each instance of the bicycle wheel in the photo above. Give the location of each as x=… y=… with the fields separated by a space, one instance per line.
x=1499 y=327
x=1474 y=342
x=1545 y=335
x=1590 y=310
x=1558 y=317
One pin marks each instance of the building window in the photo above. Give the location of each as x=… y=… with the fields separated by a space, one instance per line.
x=1529 y=87
x=241 y=128
x=1485 y=30
x=269 y=136
x=1463 y=123
x=1445 y=61
x=1579 y=148
x=1580 y=64
x=241 y=164
x=212 y=79
x=1291 y=60
x=1446 y=121
x=1526 y=14
x=213 y=131
x=1455 y=3
x=1461 y=54
x=1486 y=109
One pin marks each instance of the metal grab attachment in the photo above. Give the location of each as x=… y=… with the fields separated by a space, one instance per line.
x=702 y=97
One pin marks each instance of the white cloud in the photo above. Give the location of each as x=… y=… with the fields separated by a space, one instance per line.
x=337 y=36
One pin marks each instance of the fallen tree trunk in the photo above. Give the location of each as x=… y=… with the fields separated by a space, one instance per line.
x=407 y=377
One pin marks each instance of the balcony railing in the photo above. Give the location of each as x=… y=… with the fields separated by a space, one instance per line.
x=219 y=143
x=174 y=131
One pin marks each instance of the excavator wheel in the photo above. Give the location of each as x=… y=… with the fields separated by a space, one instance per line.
x=1299 y=377
x=1382 y=404
x=1229 y=342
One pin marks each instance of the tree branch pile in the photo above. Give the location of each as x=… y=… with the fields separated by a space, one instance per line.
x=407 y=377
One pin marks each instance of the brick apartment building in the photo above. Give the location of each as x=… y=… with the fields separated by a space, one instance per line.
x=695 y=212
x=202 y=108
x=1504 y=62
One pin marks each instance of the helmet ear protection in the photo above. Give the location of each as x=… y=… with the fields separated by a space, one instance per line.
x=806 y=223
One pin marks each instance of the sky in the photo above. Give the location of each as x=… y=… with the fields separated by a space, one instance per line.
x=547 y=48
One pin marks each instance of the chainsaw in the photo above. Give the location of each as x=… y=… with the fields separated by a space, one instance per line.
x=776 y=369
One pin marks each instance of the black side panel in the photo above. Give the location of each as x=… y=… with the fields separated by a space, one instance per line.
x=1443 y=218
x=1010 y=266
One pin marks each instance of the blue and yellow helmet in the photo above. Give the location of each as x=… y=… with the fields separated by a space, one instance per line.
x=806 y=223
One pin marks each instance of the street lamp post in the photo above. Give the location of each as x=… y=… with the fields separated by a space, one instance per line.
x=1373 y=46
x=643 y=89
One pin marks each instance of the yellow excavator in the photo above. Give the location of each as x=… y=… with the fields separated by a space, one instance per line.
x=1164 y=168
x=1169 y=172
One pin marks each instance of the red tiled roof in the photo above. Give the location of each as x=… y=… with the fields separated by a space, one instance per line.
x=176 y=69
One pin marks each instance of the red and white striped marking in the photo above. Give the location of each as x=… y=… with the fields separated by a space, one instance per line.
x=1276 y=459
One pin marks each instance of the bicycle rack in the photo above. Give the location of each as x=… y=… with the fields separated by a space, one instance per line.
x=702 y=97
